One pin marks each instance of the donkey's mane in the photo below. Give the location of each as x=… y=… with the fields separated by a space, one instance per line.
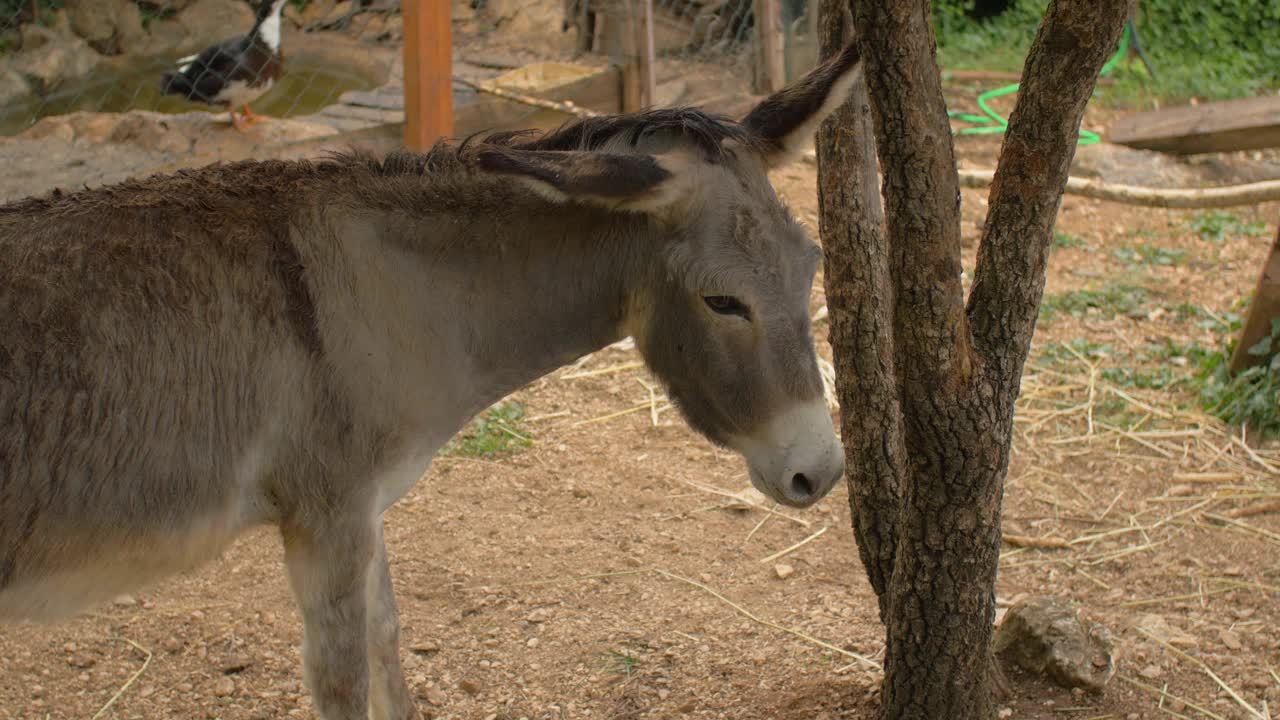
x=706 y=132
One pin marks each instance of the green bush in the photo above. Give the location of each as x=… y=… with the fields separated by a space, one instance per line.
x=1250 y=397
x=1213 y=49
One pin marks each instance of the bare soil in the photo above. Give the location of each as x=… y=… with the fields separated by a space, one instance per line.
x=605 y=571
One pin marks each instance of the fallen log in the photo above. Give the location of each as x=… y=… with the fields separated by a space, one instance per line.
x=1211 y=197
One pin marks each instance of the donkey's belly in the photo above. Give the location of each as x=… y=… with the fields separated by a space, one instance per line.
x=84 y=571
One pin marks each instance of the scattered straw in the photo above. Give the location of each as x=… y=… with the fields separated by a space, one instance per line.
x=757 y=619
x=760 y=524
x=623 y=367
x=603 y=418
x=1256 y=509
x=1273 y=537
x=745 y=501
x=1208 y=671
x=1165 y=695
x=793 y=548
x=1039 y=543
x=128 y=683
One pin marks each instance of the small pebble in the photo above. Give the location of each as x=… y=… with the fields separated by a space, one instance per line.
x=1231 y=640
x=224 y=687
x=124 y=601
x=539 y=615
x=435 y=695
x=784 y=570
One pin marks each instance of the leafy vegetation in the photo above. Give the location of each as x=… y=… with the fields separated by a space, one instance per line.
x=497 y=430
x=1215 y=49
x=1251 y=397
x=1216 y=225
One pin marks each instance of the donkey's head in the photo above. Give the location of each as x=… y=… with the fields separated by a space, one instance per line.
x=721 y=312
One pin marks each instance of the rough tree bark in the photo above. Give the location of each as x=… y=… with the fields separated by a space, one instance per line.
x=927 y=383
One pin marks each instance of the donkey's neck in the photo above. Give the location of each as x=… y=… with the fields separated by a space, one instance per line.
x=448 y=314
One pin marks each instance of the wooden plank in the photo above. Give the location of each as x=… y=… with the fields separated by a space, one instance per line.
x=1247 y=124
x=1264 y=308
x=482 y=112
x=428 y=72
x=772 y=73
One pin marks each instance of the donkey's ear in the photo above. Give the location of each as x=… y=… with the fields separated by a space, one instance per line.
x=641 y=183
x=785 y=121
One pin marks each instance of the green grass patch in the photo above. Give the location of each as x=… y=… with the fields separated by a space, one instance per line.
x=496 y=431
x=1217 y=225
x=1159 y=377
x=1149 y=254
x=1057 y=353
x=1108 y=301
x=1063 y=240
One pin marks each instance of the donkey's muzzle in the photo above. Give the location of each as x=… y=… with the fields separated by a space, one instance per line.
x=797 y=459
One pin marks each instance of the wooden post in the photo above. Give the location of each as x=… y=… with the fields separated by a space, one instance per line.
x=1265 y=308
x=625 y=48
x=772 y=62
x=428 y=72
x=650 y=71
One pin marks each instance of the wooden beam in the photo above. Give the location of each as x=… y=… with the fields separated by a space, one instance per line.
x=772 y=73
x=428 y=72
x=621 y=35
x=1247 y=124
x=650 y=58
x=1264 y=308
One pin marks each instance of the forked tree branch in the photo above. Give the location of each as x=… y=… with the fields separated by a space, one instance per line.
x=1074 y=40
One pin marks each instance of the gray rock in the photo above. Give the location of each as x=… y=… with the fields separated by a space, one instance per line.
x=1046 y=635
x=12 y=86
x=209 y=21
x=111 y=27
x=53 y=60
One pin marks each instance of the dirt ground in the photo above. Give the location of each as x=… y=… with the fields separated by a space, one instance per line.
x=607 y=570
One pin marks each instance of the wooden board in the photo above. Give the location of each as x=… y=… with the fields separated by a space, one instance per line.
x=1264 y=308
x=600 y=91
x=1248 y=124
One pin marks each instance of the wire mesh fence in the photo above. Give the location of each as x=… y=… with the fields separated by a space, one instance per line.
x=703 y=51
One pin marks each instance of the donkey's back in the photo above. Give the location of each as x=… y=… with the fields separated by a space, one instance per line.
x=148 y=362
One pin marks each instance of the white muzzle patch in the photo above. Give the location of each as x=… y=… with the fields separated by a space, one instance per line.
x=796 y=459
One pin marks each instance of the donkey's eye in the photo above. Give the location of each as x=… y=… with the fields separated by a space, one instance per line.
x=726 y=305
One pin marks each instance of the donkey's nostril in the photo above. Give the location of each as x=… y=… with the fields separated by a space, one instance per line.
x=801 y=488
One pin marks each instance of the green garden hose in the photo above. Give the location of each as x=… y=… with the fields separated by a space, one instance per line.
x=991 y=123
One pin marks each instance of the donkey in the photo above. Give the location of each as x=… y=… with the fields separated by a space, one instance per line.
x=289 y=343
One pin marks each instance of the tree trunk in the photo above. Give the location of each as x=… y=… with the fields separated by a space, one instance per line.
x=927 y=385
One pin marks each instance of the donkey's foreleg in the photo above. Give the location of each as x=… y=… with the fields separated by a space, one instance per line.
x=329 y=570
x=389 y=697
